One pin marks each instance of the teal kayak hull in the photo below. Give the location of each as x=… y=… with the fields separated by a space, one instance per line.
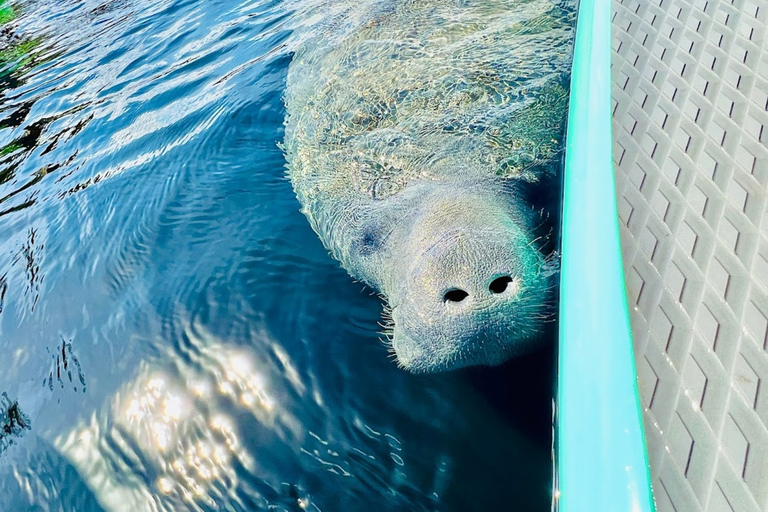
x=601 y=461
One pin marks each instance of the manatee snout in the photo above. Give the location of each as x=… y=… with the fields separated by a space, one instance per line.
x=473 y=287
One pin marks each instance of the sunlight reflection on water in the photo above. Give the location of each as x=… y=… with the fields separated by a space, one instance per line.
x=171 y=424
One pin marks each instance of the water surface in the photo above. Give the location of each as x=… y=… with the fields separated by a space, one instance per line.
x=172 y=332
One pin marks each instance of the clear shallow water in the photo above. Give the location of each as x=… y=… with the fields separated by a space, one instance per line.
x=173 y=332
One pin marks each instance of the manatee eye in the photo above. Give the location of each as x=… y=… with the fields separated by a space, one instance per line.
x=499 y=284
x=370 y=242
x=455 y=295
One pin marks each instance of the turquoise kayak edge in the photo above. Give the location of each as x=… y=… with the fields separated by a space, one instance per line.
x=601 y=459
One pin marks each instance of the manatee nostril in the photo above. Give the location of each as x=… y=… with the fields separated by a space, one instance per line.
x=455 y=295
x=499 y=284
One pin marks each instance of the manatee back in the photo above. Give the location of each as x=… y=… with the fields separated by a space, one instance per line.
x=439 y=90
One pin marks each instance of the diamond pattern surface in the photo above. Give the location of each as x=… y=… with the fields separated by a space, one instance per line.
x=690 y=107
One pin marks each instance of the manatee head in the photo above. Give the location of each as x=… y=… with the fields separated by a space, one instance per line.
x=470 y=287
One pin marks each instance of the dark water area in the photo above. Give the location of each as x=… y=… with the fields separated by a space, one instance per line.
x=173 y=335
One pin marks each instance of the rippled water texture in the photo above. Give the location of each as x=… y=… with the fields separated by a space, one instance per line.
x=173 y=336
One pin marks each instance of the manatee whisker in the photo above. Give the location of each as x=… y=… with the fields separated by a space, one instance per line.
x=534 y=240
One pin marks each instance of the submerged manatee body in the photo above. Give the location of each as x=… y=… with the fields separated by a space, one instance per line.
x=413 y=142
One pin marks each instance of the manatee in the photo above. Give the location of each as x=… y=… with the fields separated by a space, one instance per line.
x=415 y=142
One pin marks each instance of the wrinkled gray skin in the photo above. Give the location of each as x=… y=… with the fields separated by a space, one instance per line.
x=413 y=138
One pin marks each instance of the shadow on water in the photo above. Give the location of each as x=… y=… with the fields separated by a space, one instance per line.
x=521 y=392
x=151 y=248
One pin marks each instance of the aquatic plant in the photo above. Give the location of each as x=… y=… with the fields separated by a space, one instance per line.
x=13 y=422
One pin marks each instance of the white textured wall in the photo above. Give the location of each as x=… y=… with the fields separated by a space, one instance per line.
x=690 y=93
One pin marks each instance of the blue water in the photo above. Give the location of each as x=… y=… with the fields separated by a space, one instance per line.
x=172 y=332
